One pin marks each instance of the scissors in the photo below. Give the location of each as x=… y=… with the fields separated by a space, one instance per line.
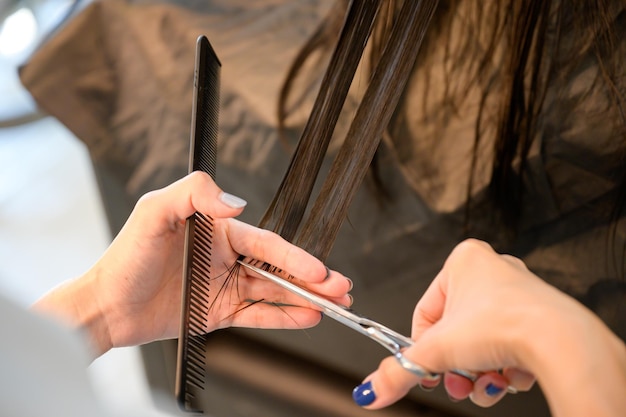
x=386 y=337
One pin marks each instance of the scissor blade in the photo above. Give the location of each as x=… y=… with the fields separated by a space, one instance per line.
x=388 y=338
x=330 y=309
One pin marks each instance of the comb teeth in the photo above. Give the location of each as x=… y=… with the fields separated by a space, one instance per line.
x=192 y=342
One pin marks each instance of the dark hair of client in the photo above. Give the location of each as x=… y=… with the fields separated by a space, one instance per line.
x=512 y=51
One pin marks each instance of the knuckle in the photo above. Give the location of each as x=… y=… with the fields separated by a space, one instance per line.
x=469 y=250
x=199 y=179
x=257 y=245
x=515 y=261
x=148 y=199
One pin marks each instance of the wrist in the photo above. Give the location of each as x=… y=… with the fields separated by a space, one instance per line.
x=74 y=305
x=579 y=363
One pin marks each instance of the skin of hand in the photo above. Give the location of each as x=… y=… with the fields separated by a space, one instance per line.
x=132 y=294
x=487 y=312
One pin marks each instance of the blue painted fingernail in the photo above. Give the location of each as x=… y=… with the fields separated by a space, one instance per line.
x=493 y=390
x=364 y=394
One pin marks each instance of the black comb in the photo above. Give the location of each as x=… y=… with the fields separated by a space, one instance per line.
x=191 y=360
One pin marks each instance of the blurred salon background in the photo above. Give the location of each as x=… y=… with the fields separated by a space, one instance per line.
x=52 y=223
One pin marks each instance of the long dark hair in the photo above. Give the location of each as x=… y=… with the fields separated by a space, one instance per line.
x=386 y=85
x=525 y=44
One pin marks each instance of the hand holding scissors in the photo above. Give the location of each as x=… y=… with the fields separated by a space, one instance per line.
x=386 y=337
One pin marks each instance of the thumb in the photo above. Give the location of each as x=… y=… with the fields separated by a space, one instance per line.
x=197 y=192
x=207 y=198
x=390 y=382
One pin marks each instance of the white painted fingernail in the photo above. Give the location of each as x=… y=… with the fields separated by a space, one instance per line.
x=232 y=201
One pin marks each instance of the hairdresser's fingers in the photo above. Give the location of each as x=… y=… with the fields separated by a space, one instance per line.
x=519 y=379
x=334 y=284
x=430 y=308
x=489 y=388
x=457 y=386
x=254 y=287
x=269 y=247
x=267 y=315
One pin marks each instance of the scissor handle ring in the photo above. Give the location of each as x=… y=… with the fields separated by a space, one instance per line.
x=416 y=369
x=429 y=376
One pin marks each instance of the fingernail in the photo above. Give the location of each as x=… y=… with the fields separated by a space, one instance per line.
x=426 y=388
x=364 y=394
x=327 y=273
x=350 y=283
x=493 y=390
x=232 y=201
